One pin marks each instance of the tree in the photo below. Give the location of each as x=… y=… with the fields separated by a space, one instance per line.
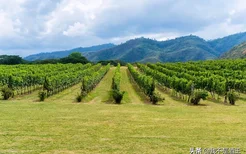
x=11 y=60
x=75 y=57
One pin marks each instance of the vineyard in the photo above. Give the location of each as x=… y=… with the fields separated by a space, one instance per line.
x=51 y=79
x=74 y=108
x=193 y=81
x=190 y=81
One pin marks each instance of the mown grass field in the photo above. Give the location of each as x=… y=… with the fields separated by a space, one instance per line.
x=60 y=125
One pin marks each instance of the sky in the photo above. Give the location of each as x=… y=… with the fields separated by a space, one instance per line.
x=32 y=26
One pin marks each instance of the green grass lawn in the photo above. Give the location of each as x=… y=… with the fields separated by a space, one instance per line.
x=59 y=125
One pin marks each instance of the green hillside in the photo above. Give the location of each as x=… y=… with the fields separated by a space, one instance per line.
x=187 y=48
x=62 y=54
x=225 y=44
x=147 y=50
x=236 y=52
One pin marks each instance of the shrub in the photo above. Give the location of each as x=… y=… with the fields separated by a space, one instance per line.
x=42 y=95
x=155 y=98
x=232 y=97
x=118 y=96
x=7 y=93
x=197 y=96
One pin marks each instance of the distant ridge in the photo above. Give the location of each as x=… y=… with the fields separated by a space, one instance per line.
x=146 y=50
x=236 y=52
x=62 y=54
x=225 y=44
x=186 y=48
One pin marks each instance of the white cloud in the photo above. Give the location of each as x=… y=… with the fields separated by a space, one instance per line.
x=33 y=25
x=76 y=29
x=7 y=25
x=214 y=31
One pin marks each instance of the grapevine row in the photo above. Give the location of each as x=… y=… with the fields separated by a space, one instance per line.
x=66 y=79
x=146 y=84
x=117 y=94
x=90 y=81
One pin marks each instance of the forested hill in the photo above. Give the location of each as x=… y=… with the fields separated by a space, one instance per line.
x=181 y=49
x=147 y=50
x=62 y=54
x=225 y=44
x=236 y=52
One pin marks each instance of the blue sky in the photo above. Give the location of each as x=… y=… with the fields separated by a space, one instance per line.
x=32 y=26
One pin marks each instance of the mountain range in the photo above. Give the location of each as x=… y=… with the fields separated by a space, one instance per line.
x=227 y=43
x=182 y=49
x=147 y=50
x=236 y=52
x=65 y=53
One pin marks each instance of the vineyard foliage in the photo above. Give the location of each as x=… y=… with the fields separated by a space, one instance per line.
x=218 y=77
x=26 y=78
x=67 y=78
x=91 y=78
x=146 y=83
x=191 y=81
x=116 y=93
x=116 y=79
x=51 y=78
